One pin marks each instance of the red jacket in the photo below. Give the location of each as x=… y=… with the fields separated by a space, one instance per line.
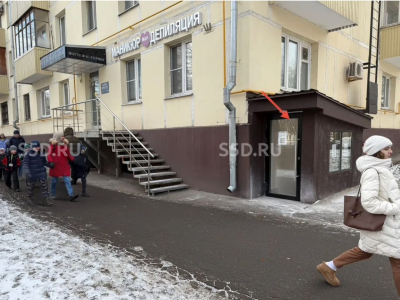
x=14 y=161
x=60 y=156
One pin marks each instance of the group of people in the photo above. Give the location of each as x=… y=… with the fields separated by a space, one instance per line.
x=66 y=158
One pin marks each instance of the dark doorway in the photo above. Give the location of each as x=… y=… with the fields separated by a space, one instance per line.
x=284 y=156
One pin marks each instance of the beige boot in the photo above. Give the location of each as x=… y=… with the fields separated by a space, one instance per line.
x=328 y=274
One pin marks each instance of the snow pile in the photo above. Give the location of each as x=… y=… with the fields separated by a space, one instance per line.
x=39 y=261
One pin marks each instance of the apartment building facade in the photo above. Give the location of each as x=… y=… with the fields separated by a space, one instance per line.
x=160 y=67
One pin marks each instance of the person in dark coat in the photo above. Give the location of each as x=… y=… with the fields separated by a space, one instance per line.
x=11 y=163
x=59 y=155
x=3 y=154
x=18 y=141
x=34 y=164
x=80 y=169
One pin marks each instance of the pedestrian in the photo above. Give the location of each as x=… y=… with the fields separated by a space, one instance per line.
x=379 y=195
x=3 y=141
x=80 y=169
x=2 y=167
x=11 y=163
x=18 y=141
x=59 y=155
x=34 y=165
x=74 y=142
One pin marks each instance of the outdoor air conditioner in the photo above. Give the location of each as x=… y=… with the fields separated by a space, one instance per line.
x=354 y=71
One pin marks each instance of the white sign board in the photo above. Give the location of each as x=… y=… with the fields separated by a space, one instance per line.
x=282 y=137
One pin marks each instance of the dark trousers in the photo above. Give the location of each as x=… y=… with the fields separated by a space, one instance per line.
x=1 y=174
x=83 y=179
x=14 y=175
x=30 y=185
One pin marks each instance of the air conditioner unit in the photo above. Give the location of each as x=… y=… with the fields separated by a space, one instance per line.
x=354 y=71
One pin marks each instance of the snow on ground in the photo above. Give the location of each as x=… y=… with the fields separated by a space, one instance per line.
x=40 y=261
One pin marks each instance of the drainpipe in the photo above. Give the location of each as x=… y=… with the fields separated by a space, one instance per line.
x=227 y=97
x=13 y=68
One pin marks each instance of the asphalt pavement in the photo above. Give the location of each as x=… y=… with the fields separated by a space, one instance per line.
x=260 y=257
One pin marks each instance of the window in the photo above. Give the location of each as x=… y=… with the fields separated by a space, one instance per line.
x=91 y=15
x=385 y=97
x=129 y=4
x=295 y=65
x=181 y=68
x=27 y=107
x=340 y=151
x=62 y=31
x=134 y=80
x=4 y=113
x=391 y=11
x=45 y=103
x=30 y=31
x=66 y=93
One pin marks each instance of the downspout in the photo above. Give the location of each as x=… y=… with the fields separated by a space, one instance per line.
x=227 y=97
x=13 y=68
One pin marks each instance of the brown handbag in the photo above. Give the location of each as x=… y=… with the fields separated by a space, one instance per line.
x=355 y=216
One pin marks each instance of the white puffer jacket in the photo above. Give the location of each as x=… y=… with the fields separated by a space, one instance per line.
x=380 y=195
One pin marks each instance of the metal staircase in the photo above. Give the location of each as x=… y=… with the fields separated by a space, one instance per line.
x=89 y=117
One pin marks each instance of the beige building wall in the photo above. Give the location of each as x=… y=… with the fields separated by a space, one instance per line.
x=260 y=27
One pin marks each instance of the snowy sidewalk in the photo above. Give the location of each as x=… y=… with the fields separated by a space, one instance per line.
x=38 y=260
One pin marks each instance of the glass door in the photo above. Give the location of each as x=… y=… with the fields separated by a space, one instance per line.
x=283 y=166
x=94 y=93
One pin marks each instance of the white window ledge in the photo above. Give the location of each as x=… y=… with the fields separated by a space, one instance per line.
x=132 y=103
x=87 y=32
x=174 y=96
x=44 y=118
x=132 y=7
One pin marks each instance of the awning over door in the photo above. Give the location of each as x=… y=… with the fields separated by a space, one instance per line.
x=72 y=59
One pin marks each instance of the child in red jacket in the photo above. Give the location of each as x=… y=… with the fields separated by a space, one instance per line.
x=12 y=163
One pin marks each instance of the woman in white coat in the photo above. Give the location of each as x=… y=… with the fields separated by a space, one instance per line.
x=379 y=195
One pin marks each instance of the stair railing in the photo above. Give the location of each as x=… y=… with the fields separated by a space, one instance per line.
x=80 y=118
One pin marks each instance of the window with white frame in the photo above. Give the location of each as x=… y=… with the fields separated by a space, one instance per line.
x=385 y=97
x=27 y=107
x=91 y=15
x=295 y=65
x=391 y=12
x=129 y=4
x=45 y=103
x=181 y=68
x=62 y=31
x=134 y=79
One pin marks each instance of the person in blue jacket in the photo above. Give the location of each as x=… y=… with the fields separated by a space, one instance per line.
x=80 y=169
x=34 y=164
x=3 y=141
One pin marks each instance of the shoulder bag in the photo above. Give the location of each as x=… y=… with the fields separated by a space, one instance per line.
x=355 y=216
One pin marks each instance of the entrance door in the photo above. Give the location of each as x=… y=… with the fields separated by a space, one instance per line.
x=283 y=162
x=94 y=93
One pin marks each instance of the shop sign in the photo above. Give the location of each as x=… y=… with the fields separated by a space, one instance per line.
x=105 y=87
x=150 y=38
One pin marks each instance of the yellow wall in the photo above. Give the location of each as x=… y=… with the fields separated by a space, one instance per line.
x=260 y=27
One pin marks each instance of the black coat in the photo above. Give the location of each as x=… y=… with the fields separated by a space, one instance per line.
x=80 y=166
x=17 y=142
x=34 y=164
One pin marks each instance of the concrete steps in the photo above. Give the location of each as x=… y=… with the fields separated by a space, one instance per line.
x=162 y=179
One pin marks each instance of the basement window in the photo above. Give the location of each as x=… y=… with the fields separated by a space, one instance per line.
x=340 y=151
x=295 y=64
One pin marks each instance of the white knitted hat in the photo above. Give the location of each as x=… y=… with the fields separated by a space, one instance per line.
x=376 y=143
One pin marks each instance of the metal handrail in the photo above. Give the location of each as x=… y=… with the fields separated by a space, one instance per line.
x=112 y=113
